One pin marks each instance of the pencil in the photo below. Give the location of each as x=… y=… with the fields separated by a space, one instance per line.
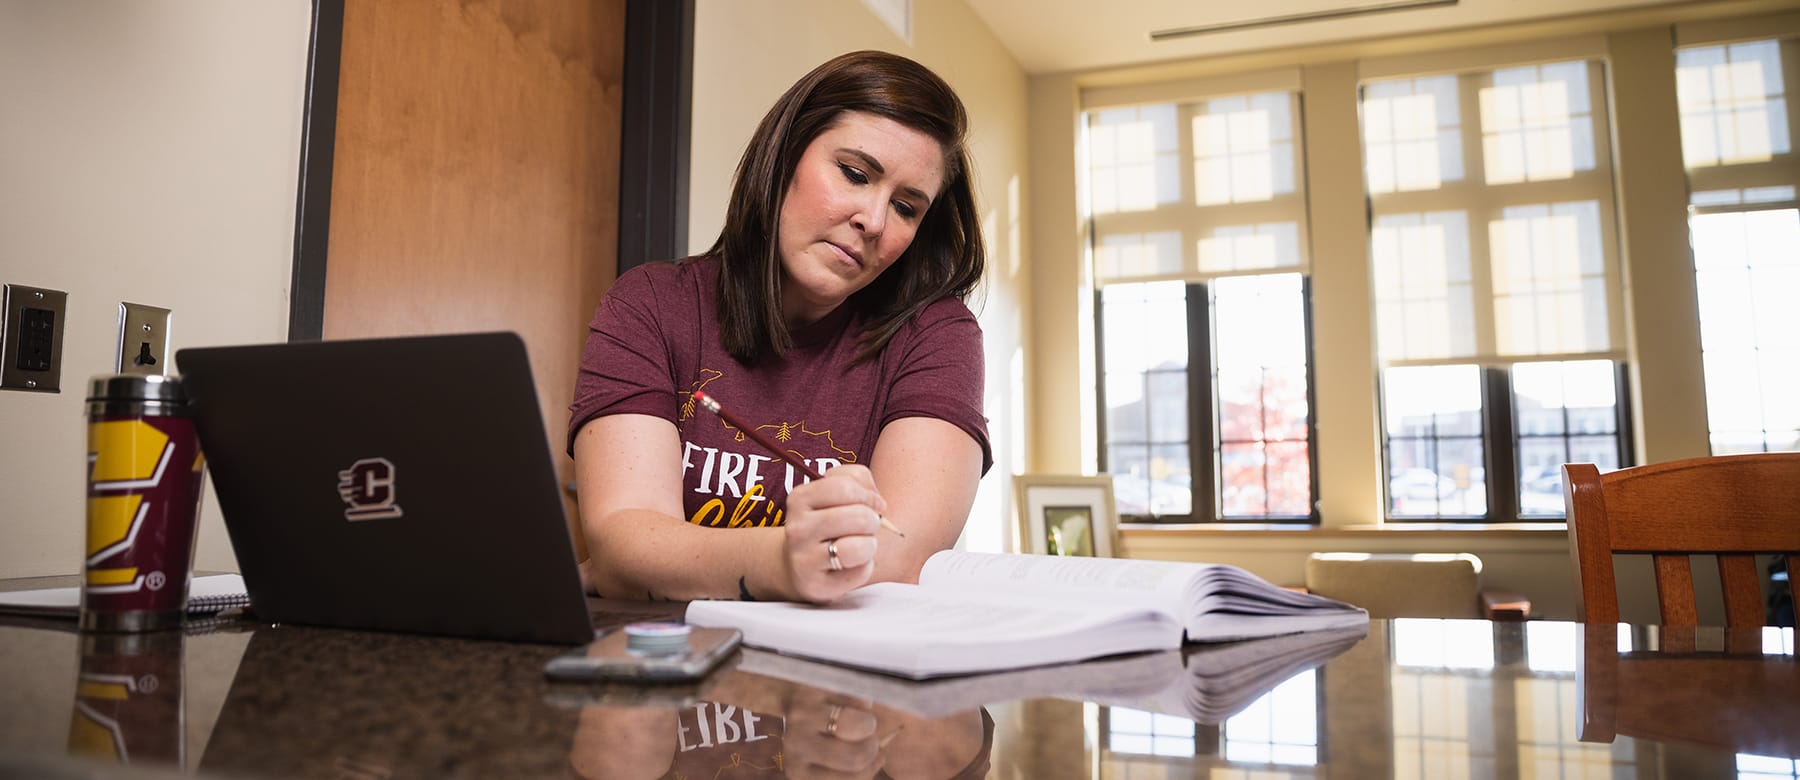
x=711 y=404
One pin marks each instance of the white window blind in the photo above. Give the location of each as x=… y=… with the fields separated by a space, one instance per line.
x=1492 y=225
x=1736 y=133
x=1195 y=190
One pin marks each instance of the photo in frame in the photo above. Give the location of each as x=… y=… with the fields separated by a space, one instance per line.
x=1065 y=514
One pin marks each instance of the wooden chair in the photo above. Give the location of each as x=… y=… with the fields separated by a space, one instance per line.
x=1732 y=506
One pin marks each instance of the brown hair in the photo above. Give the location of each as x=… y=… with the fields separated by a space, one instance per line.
x=946 y=256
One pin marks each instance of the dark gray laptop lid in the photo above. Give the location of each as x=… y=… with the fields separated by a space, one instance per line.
x=397 y=484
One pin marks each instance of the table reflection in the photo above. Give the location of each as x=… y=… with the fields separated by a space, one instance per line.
x=128 y=700
x=1456 y=698
x=741 y=724
x=1736 y=689
x=1413 y=699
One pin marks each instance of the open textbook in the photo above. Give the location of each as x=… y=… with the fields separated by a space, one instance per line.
x=976 y=612
x=1204 y=683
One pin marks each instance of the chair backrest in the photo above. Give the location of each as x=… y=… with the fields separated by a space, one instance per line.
x=1732 y=506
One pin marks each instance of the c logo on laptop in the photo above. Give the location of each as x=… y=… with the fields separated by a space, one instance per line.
x=368 y=488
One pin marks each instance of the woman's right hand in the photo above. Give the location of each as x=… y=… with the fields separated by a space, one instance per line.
x=831 y=526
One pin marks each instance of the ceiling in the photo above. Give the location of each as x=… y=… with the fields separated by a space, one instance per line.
x=1049 y=36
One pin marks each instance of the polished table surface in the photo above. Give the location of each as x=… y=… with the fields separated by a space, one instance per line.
x=1414 y=698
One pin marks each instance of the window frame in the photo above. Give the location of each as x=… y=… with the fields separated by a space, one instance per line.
x=1481 y=202
x=1203 y=410
x=1502 y=465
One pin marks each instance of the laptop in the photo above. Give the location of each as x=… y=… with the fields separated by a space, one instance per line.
x=400 y=484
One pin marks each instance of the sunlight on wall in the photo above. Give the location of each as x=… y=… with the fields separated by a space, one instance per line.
x=988 y=517
x=1015 y=253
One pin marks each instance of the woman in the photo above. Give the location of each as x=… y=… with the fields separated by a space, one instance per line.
x=829 y=315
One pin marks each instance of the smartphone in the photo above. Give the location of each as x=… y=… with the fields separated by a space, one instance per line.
x=609 y=658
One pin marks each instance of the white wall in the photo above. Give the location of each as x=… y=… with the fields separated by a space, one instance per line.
x=149 y=152
x=747 y=53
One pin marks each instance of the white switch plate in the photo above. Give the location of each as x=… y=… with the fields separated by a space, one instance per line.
x=143 y=339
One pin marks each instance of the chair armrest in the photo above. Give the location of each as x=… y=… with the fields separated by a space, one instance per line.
x=1504 y=605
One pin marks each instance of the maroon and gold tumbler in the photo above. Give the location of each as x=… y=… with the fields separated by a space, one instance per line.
x=144 y=470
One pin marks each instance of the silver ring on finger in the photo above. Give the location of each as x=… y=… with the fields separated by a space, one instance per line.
x=832 y=719
x=832 y=554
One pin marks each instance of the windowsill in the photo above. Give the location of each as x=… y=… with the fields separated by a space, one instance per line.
x=1527 y=529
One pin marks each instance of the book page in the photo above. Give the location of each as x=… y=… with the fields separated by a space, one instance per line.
x=1121 y=676
x=1159 y=584
x=1213 y=602
x=919 y=632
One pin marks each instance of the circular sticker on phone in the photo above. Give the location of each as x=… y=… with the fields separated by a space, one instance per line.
x=656 y=638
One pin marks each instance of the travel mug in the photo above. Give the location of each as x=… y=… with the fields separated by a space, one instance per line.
x=128 y=699
x=144 y=471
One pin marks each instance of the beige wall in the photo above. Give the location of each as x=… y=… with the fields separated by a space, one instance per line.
x=747 y=53
x=150 y=153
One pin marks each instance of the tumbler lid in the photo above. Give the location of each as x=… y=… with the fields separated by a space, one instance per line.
x=136 y=387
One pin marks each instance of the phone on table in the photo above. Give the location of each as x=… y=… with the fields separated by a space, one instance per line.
x=616 y=656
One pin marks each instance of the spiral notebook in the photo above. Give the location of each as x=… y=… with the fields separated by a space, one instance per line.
x=207 y=594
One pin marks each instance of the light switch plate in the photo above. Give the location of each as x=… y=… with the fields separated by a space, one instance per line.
x=32 y=331
x=143 y=339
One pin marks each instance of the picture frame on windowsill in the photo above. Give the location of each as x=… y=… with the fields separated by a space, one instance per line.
x=1065 y=514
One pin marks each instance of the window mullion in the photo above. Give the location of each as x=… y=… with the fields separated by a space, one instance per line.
x=1312 y=395
x=1202 y=405
x=1627 y=447
x=1100 y=412
x=1500 y=445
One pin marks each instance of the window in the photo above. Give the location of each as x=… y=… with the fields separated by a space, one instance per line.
x=1442 y=689
x=1754 y=767
x=1198 y=245
x=1281 y=727
x=1278 y=731
x=1496 y=287
x=1563 y=412
x=1547 y=710
x=1736 y=140
x=1149 y=733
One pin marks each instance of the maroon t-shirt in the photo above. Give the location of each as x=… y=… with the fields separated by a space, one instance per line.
x=655 y=340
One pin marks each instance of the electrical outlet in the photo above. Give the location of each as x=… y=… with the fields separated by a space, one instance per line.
x=31 y=328
x=143 y=339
